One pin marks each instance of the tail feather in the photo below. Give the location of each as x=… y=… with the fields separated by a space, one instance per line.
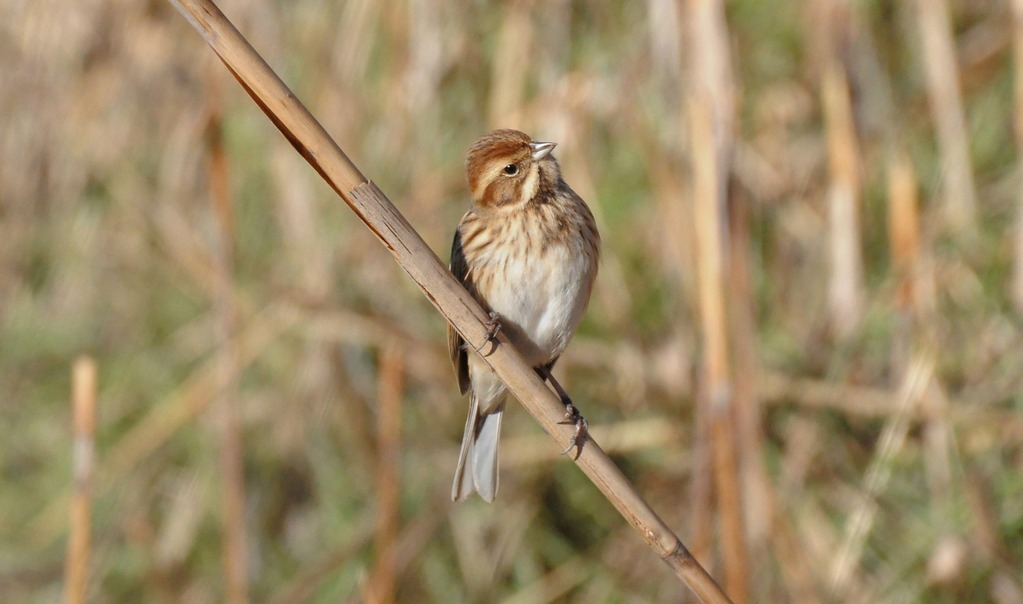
x=477 y=468
x=484 y=467
x=462 y=486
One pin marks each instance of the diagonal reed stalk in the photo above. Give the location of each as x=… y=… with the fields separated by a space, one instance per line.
x=432 y=276
x=845 y=562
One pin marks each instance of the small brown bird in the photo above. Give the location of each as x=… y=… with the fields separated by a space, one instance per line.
x=527 y=250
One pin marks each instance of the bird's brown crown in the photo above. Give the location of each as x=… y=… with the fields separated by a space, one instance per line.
x=503 y=169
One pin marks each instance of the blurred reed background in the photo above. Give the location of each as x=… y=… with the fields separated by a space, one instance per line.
x=804 y=345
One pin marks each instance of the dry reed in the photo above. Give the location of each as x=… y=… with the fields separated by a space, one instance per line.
x=1017 y=121
x=845 y=287
x=710 y=123
x=228 y=407
x=941 y=68
x=83 y=406
x=383 y=580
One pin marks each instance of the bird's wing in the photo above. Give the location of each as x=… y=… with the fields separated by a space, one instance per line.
x=456 y=345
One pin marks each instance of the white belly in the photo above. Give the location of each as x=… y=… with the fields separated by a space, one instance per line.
x=541 y=301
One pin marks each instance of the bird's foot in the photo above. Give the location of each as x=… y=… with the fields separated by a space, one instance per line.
x=493 y=328
x=573 y=417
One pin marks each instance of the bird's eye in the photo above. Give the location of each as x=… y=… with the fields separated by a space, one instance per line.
x=511 y=170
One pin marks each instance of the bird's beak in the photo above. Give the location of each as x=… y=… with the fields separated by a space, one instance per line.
x=541 y=150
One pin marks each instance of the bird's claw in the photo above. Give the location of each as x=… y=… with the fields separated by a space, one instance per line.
x=493 y=328
x=573 y=417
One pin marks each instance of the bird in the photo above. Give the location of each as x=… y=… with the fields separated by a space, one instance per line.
x=527 y=250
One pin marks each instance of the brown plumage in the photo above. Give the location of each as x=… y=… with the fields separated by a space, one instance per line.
x=527 y=250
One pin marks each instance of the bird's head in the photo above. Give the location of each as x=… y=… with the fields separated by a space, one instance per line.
x=507 y=168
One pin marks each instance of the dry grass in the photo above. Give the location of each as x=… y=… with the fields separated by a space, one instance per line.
x=110 y=247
